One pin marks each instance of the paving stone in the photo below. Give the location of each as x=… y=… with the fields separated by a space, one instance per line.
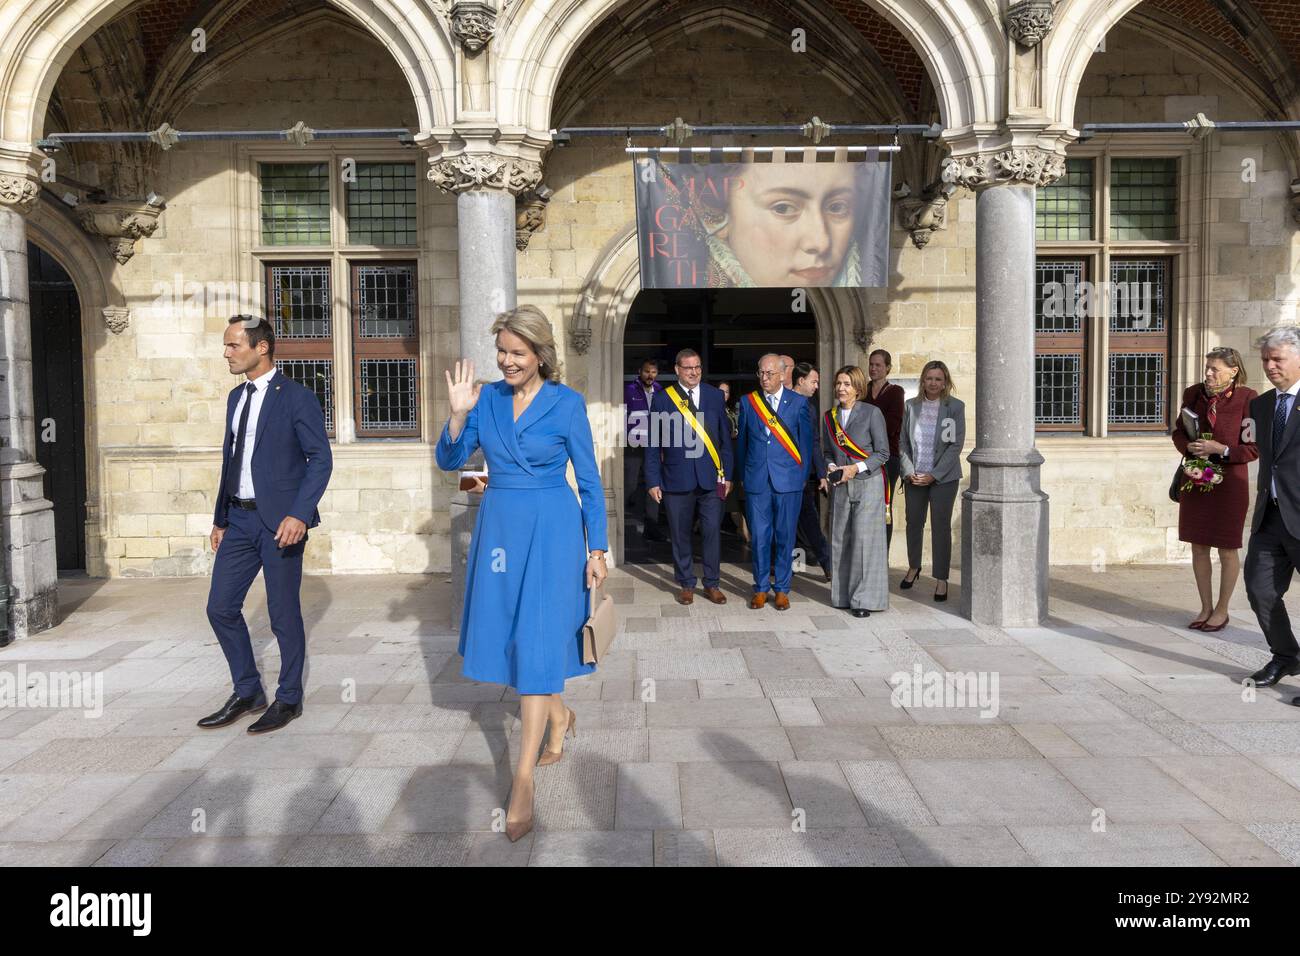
x=365 y=800
x=220 y=851
x=719 y=744
x=885 y=794
x=959 y=846
x=997 y=790
x=649 y=797
x=737 y=712
x=1238 y=846
x=797 y=712
x=381 y=849
x=1121 y=738
x=58 y=813
x=1050 y=740
x=135 y=853
x=454 y=798
x=992 y=740
x=1133 y=790
x=831 y=847
x=775 y=687
x=684 y=848
x=1119 y=845
x=1284 y=838
x=733 y=794
x=743 y=639
x=621 y=848
x=240 y=802
x=727 y=664
x=1236 y=787
x=79 y=853
x=867 y=710
x=408 y=749
x=720 y=689
x=1277 y=737
x=91 y=755
x=132 y=807
x=820 y=790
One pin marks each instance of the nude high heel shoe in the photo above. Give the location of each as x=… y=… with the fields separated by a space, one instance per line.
x=549 y=756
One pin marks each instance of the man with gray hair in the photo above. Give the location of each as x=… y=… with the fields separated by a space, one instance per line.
x=1274 y=551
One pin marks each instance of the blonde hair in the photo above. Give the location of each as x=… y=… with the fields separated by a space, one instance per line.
x=530 y=324
x=856 y=379
x=947 y=377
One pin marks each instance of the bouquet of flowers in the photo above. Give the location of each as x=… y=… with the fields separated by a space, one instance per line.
x=1202 y=474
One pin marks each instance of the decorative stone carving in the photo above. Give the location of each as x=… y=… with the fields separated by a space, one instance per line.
x=923 y=215
x=464 y=171
x=18 y=193
x=120 y=223
x=1029 y=21
x=580 y=340
x=472 y=24
x=117 y=319
x=530 y=215
x=1027 y=166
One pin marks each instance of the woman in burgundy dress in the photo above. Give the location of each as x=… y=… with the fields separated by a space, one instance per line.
x=1215 y=518
x=887 y=397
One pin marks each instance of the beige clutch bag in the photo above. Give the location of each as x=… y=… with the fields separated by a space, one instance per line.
x=598 y=632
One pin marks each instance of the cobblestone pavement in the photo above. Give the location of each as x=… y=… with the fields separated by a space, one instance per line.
x=712 y=735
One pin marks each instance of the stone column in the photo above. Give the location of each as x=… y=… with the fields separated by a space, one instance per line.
x=30 y=575
x=1004 y=545
x=486 y=185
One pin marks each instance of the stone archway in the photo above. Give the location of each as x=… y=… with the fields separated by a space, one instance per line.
x=596 y=332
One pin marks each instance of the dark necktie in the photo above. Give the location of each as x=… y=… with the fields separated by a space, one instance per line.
x=690 y=397
x=1279 y=420
x=237 y=464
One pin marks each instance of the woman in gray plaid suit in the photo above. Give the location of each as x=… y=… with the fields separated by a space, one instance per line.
x=855 y=446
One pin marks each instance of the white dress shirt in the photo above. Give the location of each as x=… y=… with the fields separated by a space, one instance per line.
x=246 y=489
x=774 y=403
x=843 y=415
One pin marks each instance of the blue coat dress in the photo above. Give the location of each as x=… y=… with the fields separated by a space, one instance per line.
x=526 y=595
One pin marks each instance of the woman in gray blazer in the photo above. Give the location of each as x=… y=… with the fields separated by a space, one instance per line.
x=855 y=446
x=929 y=452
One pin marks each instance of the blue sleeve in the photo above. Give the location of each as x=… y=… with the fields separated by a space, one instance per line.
x=451 y=455
x=742 y=426
x=309 y=426
x=582 y=452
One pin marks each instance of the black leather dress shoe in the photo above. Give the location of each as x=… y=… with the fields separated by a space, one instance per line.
x=826 y=573
x=233 y=709
x=861 y=612
x=1272 y=672
x=1295 y=701
x=276 y=716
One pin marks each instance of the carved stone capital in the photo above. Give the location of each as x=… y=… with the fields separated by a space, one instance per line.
x=924 y=215
x=1028 y=166
x=472 y=24
x=120 y=223
x=1029 y=21
x=530 y=215
x=580 y=340
x=117 y=319
x=455 y=174
x=18 y=193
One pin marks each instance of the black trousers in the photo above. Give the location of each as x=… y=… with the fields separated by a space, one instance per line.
x=682 y=507
x=810 y=527
x=1271 y=559
x=892 y=471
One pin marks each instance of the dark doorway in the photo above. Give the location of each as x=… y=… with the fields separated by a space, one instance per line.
x=731 y=329
x=60 y=402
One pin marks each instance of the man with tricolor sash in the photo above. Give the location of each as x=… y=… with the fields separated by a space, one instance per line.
x=688 y=468
x=774 y=450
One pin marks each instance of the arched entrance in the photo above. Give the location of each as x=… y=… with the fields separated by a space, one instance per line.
x=60 y=406
x=731 y=329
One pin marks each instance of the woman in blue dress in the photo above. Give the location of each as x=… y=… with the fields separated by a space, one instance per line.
x=534 y=554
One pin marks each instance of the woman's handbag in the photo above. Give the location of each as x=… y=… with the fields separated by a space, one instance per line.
x=598 y=632
x=1177 y=483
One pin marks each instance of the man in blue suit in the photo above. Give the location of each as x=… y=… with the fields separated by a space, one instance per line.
x=775 y=452
x=275 y=464
x=690 y=471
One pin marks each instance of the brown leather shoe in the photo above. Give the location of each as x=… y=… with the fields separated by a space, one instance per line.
x=757 y=601
x=782 y=601
x=686 y=596
x=715 y=595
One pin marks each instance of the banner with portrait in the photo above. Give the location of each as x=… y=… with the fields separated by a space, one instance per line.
x=805 y=219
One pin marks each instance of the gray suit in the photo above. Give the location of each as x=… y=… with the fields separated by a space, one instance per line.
x=859 y=556
x=938 y=498
x=1273 y=553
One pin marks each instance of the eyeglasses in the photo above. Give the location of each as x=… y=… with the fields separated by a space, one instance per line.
x=689 y=368
x=763 y=374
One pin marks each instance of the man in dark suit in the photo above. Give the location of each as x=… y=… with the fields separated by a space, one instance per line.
x=806 y=381
x=774 y=453
x=682 y=471
x=1274 y=550
x=638 y=395
x=275 y=464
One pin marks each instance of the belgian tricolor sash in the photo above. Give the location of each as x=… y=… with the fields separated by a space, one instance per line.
x=778 y=428
x=679 y=399
x=851 y=449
